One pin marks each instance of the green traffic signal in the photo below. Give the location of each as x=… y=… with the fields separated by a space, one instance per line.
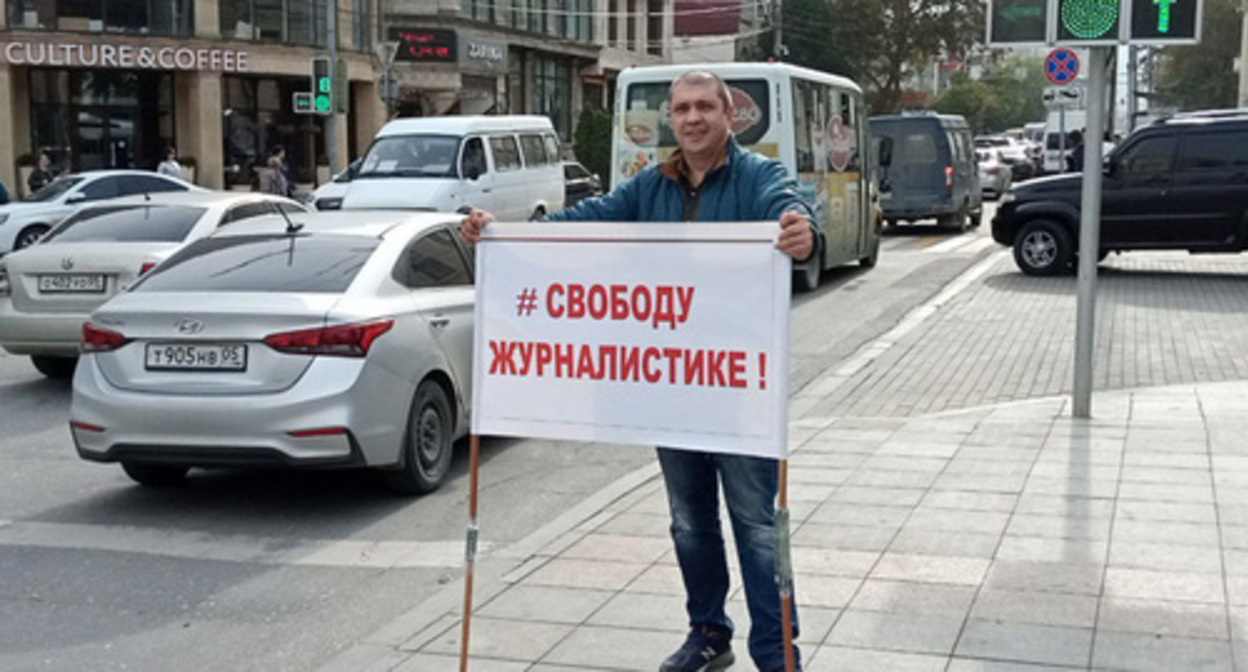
x=1090 y=19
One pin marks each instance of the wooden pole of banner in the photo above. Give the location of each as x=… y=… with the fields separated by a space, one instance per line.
x=470 y=553
x=784 y=567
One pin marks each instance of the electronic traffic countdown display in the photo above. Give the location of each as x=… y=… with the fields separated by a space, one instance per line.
x=1094 y=22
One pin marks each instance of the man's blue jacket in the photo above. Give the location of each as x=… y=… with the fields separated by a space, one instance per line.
x=748 y=187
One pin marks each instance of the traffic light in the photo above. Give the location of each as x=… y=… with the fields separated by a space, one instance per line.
x=322 y=85
x=1088 y=21
x=1165 y=21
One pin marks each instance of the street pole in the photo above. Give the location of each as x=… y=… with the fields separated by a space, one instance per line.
x=331 y=119
x=1132 y=103
x=1090 y=232
x=778 y=50
x=1243 y=57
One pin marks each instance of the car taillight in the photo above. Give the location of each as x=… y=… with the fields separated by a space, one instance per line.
x=948 y=177
x=147 y=266
x=4 y=282
x=344 y=340
x=992 y=170
x=97 y=339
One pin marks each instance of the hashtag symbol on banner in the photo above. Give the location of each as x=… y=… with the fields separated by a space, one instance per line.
x=526 y=302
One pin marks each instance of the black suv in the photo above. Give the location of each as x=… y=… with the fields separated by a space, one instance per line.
x=1179 y=184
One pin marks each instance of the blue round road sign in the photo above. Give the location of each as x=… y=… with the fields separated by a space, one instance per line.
x=1061 y=66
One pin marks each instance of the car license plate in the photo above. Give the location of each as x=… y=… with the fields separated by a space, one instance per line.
x=65 y=283
x=207 y=357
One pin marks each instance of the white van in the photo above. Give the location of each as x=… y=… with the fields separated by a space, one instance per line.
x=508 y=165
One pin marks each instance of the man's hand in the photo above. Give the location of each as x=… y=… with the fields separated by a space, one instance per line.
x=473 y=222
x=796 y=239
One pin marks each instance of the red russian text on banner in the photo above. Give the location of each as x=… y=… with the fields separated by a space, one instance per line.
x=652 y=334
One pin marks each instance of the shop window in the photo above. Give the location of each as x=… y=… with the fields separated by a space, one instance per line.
x=290 y=21
x=551 y=93
x=149 y=17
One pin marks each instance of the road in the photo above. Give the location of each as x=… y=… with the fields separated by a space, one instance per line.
x=279 y=571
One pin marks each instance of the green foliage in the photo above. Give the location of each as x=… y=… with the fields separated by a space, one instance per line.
x=1008 y=95
x=1200 y=76
x=593 y=141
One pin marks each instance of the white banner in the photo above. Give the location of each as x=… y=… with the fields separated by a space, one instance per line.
x=657 y=334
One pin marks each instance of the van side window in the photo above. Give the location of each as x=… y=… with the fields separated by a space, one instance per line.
x=506 y=153
x=1150 y=155
x=1211 y=151
x=473 y=161
x=534 y=149
x=552 y=147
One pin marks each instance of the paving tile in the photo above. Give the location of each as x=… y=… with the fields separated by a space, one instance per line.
x=971 y=665
x=1073 y=471
x=892 y=478
x=658 y=580
x=970 y=501
x=1070 y=487
x=1233 y=514
x=1160 y=459
x=1138 y=474
x=1074 y=611
x=907 y=597
x=585 y=574
x=947 y=520
x=618 y=548
x=427 y=662
x=931 y=569
x=1237 y=590
x=1165 y=557
x=808 y=560
x=860 y=514
x=1044 y=549
x=926 y=465
x=972 y=465
x=825 y=591
x=1059 y=527
x=1174 y=512
x=818 y=475
x=614 y=648
x=1158 y=532
x=1052 y=577
x=1066 y=506
x=1148 y=653
x=801 y=460
x=815 y=623
x=1044 y=644
x=1167 y=492
x=847 y=537
x=637 y=525
x=502 y=639
x=856 y=494
x=845 y=659
x=937 y=542
x=1150 y=585
x=895 y=632
x=641 y=611
x=978 y=483
x=1166 y=619
x=544 y=603
x=918 y=448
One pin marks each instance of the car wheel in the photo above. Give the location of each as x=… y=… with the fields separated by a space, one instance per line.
x=1043 y=248
x=155 y=475
x=873 y=254
x=806 y=276
x=427 y=446
x=29 y=236
x=977 y=218
x=54 y=367
x=955 y=222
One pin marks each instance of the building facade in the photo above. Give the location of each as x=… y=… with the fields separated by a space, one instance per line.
x=113 y=83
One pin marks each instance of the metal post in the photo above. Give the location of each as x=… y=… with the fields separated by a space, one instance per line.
x=1132 y=103
x=1090 y=232
x=779 y=51
x=1243 y=57
x=1061 y=136
x=331 y=119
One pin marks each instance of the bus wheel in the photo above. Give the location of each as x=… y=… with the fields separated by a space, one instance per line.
x=806 y=276
x=873 y=254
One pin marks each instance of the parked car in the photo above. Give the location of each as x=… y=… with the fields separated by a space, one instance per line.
x=23 y=222
x=579 y=183
x=927 y=169
x=49 y=289
x=341 y=340
x=1013 y=153
x=994 y=175
x=328 y=196
x=1179 y=184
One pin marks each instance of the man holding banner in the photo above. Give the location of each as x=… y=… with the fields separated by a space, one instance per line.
x=710 y=178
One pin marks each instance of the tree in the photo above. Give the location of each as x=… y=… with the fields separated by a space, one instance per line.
x=971 y=98
x=1200 y=76
x=1007 y=96
x=593 y=140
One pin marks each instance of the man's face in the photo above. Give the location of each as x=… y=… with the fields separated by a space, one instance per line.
x=699 y=119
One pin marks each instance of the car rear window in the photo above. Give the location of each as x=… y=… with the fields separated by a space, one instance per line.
x=290 y=263
x=128 y=224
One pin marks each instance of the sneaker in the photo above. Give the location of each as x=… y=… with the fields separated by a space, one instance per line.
x=704 y=650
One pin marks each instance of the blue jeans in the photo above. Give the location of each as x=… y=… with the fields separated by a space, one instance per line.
x=750 y=485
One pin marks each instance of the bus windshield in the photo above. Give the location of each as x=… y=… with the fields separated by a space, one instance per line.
x=420 y=155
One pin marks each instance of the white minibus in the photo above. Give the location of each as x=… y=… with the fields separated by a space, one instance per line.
x=813 y=122
x=509 y=165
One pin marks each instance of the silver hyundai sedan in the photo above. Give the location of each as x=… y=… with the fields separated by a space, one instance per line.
x=326 y=340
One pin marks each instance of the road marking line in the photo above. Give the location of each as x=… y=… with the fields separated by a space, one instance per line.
x=236 y=548
x=826 y=383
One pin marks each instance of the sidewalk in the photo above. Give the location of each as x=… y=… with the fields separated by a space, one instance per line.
x=1007 y=538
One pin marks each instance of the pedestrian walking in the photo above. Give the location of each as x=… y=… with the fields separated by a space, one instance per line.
x=711 y=178
x=1074 y=161
x=279 y=152
x=272 y=178
x=41 y=175
x=170 y=165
